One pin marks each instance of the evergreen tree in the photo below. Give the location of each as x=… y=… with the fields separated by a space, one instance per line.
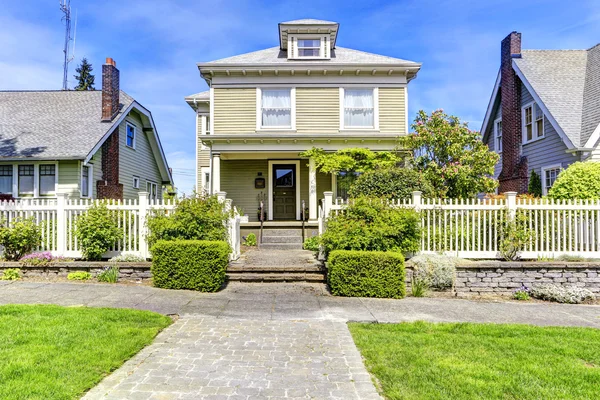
x=535 y=185
x=85 y=78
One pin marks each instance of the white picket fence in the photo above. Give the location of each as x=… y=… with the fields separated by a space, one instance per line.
x=57 y=218
x=470 y=228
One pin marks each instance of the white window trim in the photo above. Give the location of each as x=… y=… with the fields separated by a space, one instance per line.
x=90 y=180
x=259 y=126
x=375 y=127
x=543 y=177
x=129 y=124
x=36 y=179
x=534 y=135
x=294 y=50
x=152 y=183
x=496 y=149
x=138 y=182
x=203 y=182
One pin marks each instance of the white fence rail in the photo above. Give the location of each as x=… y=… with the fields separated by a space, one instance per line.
x=471 y=228
x=57 y=219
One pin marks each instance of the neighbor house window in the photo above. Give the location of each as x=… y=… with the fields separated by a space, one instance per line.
x=26 y=180
x=47 y=179
x=6 y=179
x=276 y=107
x=151 y=188
x=130 y=136
x=533 y=122
x=309 y=47
x=549 y=175
x=85 y=181
x=208 y=125
x=343 y=180
x=498 y=135
x=359 y=108
x=207 y=182
x=136 y=182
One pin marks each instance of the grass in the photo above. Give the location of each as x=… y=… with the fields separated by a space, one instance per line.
x=467 y=361
x=51 y=352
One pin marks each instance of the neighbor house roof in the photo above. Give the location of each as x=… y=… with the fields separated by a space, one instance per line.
x=339 y=55
x=199 y=96
x=52 y=124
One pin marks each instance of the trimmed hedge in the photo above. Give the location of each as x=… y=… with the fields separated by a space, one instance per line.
x=354 y=273
x=190 y=264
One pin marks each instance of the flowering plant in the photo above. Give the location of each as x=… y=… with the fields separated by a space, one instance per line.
x=40 y=259
x=522 y=293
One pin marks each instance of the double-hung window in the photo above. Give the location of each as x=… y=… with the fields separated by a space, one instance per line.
x=47 y=178
x=533 y=122
x=130 y=141
x=309 y=48
x=343 y=181
x=549 y=175
x=276 y=108
x=498 y=135
x=26 y=180
x=359 y=108
x=152 y=188
x=6 y=179
x=85 y=181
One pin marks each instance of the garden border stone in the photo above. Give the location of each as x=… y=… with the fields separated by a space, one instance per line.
x=128 y=271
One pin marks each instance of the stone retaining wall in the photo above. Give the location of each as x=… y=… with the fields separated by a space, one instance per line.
x=130 y=271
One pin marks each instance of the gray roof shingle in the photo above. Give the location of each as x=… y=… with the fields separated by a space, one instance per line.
x=339 y=55
x=308 y=21
x=52 y=124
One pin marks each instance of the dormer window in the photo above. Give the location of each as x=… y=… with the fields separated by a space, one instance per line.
x=309 y=48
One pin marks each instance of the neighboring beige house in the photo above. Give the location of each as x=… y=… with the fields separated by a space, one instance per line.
x=87 y=144
x=265 y=107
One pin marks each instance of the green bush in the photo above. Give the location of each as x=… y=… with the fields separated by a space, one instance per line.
x=366 y=274
x=190 y=264
x=109 y=274
x=312 y=243
x=127 y=258
x=434 y=271
x=580 y=181
x=19 y=237
x=392 y=183
x=97 y=231
x=372 y=225
x=11 y=274
x=535 y=185
x=79 y=276
x=250 y=240
x=194 y=218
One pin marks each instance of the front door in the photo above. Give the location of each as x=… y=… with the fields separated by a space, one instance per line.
x=284 y=191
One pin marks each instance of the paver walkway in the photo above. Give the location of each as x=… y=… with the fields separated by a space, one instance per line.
x=266 y=340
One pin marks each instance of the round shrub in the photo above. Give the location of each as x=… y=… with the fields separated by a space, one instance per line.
x=96 y=230
x=190 y=264
x=392 y=183
x=580 y=181
x=19 y=237
x=366 y=274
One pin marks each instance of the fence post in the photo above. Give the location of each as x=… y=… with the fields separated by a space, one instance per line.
x=221 y=196
x=327 y=204
x=61 y=223
x=416 y=200
x=511 y=204
x=143 y=236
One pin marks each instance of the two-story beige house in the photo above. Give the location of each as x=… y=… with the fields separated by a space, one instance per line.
x=264 y=108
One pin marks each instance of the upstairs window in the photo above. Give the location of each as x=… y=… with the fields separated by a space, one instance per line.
x=359 y=108
x=130 y=136
x=309 y=48
x=26 y=180
x=276 y=108
x=47 y=180
x=498 y=135
x=6 y=179
x=533 y=123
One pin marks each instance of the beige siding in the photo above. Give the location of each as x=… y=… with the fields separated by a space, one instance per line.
x=237 y=179
x=323 y=185
x=303 y=182
x=392 y=110
x=234 y=110
x=69 y=178
x=136 y=162
x=317 y=110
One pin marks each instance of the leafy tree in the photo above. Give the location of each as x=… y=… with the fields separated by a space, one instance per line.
x=352 y=159
x=97 y=230
x=85 y=78
x=451 y=156
x=580 y=181
x=392 y=183
x=535 y=185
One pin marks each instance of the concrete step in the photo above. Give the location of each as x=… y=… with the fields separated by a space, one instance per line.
x=282 y=232
x=282 y=239
x=277 y=277
x=302 y=268
x=280 y=246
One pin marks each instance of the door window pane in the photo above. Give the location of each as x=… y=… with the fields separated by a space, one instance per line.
x=47 y=179
x=26 y=180
x=284 y=177
x=6 y=179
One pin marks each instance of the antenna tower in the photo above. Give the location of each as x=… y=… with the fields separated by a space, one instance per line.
x=65 y=8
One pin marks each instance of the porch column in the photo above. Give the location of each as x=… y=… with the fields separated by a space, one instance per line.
x=312 y=190
x=216 y=173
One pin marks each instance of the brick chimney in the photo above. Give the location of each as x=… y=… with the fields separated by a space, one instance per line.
x=514 y=166
x=110 y=90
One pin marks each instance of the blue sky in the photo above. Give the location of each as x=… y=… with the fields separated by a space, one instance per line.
x=157 y=44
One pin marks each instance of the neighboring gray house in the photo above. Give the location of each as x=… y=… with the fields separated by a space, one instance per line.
x=88 y=144
x=544 y=113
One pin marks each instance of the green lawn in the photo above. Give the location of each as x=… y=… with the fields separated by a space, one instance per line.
x=481 y=361
x=51 y=352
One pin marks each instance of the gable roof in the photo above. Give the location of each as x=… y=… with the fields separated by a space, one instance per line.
x=339 y=55
x=60 y=125
x=566 y=85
